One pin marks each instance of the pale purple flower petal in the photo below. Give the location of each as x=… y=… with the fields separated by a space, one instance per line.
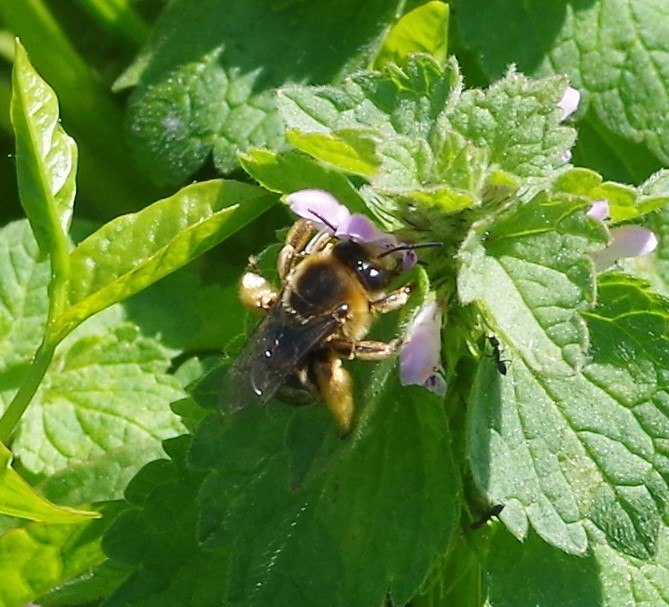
x=319 y=207
x=361 y=228
x=626 y=241
x=327 y=214
x=569 y=102
x=599 y=210
x=420 y=354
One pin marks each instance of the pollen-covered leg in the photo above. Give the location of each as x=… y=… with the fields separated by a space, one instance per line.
x=391 y=302
x=256 y=293
x=297 y=238
x=366 y=349
x=336 y=388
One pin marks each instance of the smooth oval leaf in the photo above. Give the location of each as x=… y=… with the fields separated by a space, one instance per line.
x=131 y=252
x=46 y=157
x=18 y=498
x=423 y=29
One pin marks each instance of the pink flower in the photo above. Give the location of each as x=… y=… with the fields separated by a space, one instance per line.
x=569 y=102
x=599 y=210
x=626 y=241
x=420 y=353
x=327 y=214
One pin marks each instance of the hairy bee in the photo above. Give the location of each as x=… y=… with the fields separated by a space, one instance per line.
x=331 y=290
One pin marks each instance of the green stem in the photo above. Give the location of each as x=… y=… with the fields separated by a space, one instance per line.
x=57 y=300
x=27 y=390
x=60 y=270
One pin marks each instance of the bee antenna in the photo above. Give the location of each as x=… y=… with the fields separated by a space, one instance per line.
x=411 y=247
x=325 y=221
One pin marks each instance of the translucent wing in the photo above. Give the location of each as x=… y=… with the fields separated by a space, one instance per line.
x=279 y=345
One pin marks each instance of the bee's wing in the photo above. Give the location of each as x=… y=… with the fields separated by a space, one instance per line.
x=278 y=346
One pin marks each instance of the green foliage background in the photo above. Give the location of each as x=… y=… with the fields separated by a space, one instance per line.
x=176 y=127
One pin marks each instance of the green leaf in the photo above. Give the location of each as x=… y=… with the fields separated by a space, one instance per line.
x=107 y=397
x=626 y=102
x=574 y=454
x=403 y=101
x=23 y=302
x=46 y=157
x=572 y=580
x=103 y=407
x=133 y=251
x=626 y=580
x=18 y=498
x=349 y=520
x=625 y=202
x=174 y=567
x=530 y=277
x=90 y=586
x=438 y=150
x=206 y=84
x=517 y=121
x=37 y=557
x=423 y=29
x=291 y=171
x=357 y=157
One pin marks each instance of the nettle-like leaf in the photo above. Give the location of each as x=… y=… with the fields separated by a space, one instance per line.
x=604 y=577
x=106 y=394
x=205 y=81
x=87 y=422
x=133 y=251
x=291 y=514
x=529 y=275
x=627 y=92
x=518 y=121
x=435 y=146
x=36 y=557
x=171 y=567
x=46 y=156
x=23 y=303
x=583 y=455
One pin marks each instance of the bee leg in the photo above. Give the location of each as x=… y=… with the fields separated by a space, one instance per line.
x=393 y=301
x=256 y=293
x=336 y=388
x=366 y=349
x=297 y=238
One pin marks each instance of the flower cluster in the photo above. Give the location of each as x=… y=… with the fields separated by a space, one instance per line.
x=626 y=241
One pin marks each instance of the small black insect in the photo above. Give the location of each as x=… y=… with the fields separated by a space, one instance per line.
x=500 y=364
x=491 y=512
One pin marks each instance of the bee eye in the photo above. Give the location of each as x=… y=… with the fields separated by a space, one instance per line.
x=358 y=258
x=373 y=277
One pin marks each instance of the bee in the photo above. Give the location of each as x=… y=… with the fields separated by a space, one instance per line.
x=331 y=291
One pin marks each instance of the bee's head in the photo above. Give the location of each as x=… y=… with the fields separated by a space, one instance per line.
x=372 y=266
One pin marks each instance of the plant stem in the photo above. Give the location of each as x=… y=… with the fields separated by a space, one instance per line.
x=27 y=390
